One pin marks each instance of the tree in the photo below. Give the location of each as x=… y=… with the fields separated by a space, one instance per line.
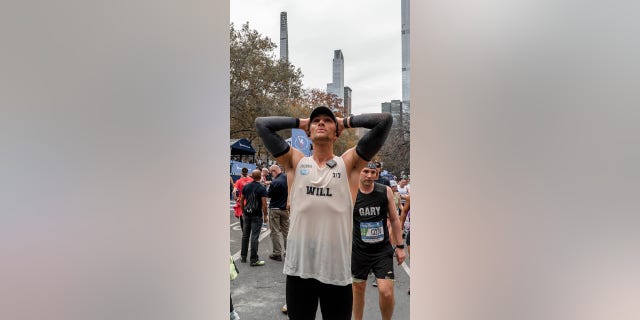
x=395 y=154
x=262 y=85
x=315 y=97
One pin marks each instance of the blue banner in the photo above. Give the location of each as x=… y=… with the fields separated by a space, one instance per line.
x=236 y=167
x=300 y=141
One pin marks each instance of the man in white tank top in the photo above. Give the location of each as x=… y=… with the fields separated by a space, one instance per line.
x=323 y=188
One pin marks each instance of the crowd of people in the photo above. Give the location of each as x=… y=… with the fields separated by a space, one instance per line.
x=333 y=219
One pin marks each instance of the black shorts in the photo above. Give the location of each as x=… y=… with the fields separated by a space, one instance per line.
x=408 y=240
x=303 y=296
x=381 y=264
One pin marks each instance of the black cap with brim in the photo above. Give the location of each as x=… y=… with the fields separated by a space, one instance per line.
x=322 y=110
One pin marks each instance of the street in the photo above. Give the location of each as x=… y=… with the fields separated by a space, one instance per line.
x=258 y=293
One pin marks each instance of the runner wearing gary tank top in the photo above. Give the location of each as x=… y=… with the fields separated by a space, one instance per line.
x=322 y=192
x=372 y=250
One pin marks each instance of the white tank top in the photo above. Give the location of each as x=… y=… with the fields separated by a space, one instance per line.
x=403 y=190
x=320 y=225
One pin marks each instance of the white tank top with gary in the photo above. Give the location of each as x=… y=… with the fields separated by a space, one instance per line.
x=320 y=224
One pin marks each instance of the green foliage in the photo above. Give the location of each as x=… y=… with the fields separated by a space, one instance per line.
x=262 y=85
x=395 y=154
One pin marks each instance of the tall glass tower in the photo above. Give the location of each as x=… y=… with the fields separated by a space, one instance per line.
x=284 y=37
x=347 y=101
x=337 y=86
x=406 y=78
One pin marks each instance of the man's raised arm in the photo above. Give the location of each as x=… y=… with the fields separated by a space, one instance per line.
x=275 y=144
x=373 y=140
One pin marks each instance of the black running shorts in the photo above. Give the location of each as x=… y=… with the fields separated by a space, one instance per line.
x=380 y=264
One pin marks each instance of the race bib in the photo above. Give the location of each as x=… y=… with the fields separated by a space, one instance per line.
x=371 y=232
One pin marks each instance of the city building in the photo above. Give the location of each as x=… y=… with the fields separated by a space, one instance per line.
x=284 y=37
x=337 y=86
x=397 y=112
x=406 y=70
x=347 y=101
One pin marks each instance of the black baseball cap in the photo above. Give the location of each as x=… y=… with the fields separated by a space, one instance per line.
x=326 y=111
x=322 y=110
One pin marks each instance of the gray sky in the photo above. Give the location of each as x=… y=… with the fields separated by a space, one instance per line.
x=367 y=32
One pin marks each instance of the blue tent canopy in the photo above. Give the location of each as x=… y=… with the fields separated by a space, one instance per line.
x=240 y=150
x=241 y=147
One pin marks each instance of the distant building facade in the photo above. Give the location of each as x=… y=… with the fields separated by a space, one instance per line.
x=347 y=101
x=337 y=86
x=284 y=37
x=397 y=112
x=406 y=70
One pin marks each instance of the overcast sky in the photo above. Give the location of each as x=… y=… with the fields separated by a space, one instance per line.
x=367 y=32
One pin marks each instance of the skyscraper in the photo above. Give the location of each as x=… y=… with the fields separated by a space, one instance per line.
x=347 y=101
x=395 y=108
x=337 y=86
x=406 y=78
x=284 y=37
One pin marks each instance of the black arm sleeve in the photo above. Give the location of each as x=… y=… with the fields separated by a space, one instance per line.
x=372 y=141
x=267 y=128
